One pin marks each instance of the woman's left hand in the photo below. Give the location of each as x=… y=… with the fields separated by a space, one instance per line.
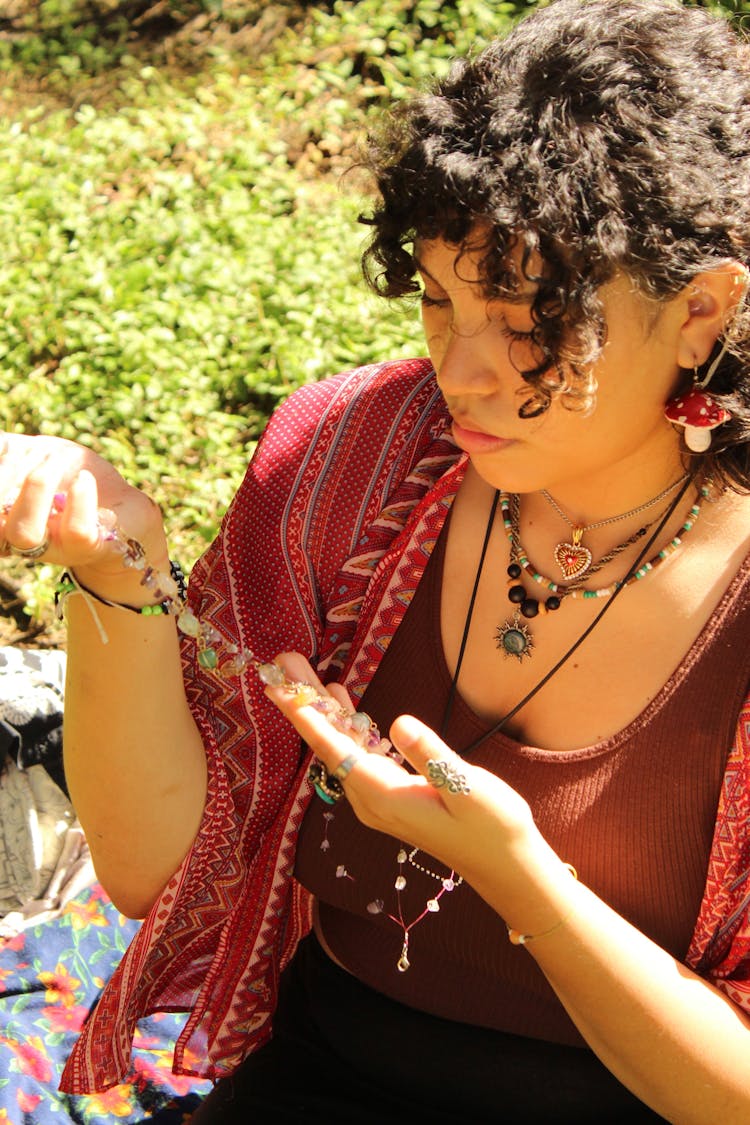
x=459 y=813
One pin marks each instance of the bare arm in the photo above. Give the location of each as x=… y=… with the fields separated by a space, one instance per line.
x=133 y=756
x=134 y=760
x=676 y=1041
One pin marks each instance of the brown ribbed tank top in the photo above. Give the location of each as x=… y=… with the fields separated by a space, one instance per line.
x=634 y=814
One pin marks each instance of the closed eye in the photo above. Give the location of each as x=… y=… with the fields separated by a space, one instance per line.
x=434 y=302
x=515 y=334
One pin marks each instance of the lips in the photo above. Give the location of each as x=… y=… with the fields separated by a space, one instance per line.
x=473 y=440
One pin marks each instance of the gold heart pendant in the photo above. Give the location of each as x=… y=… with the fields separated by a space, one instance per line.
x=573 y=559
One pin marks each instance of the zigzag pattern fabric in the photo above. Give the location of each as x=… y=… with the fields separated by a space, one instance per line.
x=320 y=552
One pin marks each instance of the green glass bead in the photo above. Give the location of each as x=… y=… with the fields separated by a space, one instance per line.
x=207 y=658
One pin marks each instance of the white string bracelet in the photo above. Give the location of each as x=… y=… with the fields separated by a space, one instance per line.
x=70 y=584
x=65 y=588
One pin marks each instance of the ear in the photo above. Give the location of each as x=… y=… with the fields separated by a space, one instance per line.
x=710 y=302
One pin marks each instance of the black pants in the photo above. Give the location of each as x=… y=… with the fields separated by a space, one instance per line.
x=343 y=1054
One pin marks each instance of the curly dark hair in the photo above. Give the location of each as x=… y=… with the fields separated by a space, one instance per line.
x=604 y=136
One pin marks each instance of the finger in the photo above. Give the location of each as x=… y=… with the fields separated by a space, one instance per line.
x=324 y=719
x=17 y=461
x=311 y=711
x=79 y=528
x=430 y=756
x=297 y=668
x=26 y=523
x=341 y=695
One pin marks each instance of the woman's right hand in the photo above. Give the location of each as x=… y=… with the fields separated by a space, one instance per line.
x=52 y=490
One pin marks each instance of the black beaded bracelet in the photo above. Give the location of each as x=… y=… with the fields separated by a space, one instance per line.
x=70 y=584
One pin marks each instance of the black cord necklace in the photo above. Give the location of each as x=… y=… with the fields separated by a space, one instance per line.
x=498 y=726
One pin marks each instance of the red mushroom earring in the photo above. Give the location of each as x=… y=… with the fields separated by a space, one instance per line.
x=697 y=410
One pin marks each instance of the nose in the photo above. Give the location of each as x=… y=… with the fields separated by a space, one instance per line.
x=470 y=363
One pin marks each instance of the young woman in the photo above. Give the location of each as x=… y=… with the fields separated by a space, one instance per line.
x=524 y=561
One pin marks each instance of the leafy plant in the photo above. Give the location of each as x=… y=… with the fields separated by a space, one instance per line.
x=179 y=249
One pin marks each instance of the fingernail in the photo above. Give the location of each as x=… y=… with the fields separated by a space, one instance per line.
x=410 y=730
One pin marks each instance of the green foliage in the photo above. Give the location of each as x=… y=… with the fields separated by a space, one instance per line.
x=166 y=279
x=174 y=263
x=179 y=252
x=372 y=48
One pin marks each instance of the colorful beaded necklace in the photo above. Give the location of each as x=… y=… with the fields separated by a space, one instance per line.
x=513 y=637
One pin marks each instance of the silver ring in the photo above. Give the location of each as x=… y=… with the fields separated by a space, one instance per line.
x=343 y=769
x=28 y=552
x=442 y=775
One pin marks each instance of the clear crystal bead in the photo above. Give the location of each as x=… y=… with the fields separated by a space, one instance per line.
x=271 y=674
x=188 y=623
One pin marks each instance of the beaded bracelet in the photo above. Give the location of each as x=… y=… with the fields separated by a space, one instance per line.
x=70 y=584
x=517 y=938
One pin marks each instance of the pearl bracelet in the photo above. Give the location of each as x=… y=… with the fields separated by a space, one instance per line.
x=517 y=938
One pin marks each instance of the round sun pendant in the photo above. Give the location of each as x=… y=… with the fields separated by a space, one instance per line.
x=514 y=639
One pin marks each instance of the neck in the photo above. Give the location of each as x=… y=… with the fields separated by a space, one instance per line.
x=609 y=496
x=604 y=533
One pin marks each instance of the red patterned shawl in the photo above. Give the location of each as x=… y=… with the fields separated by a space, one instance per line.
x=321 y=552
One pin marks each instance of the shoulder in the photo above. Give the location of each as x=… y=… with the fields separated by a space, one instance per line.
x=353 y=416
x=388 y=388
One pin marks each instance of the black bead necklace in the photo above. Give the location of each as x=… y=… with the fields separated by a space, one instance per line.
x=513 y=637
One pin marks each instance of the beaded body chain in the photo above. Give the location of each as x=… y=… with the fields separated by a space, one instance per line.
x=224 y=658
x=447 y=883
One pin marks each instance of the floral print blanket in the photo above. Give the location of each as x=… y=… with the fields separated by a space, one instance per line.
x=50 y=976
x=60 y=936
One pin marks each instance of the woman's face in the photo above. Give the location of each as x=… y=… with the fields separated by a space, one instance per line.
x=471 y=340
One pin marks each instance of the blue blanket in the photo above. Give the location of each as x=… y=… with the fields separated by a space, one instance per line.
x=50 y=975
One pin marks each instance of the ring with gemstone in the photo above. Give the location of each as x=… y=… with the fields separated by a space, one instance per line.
x=328 y=787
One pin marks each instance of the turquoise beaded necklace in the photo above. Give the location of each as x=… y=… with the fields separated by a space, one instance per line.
x=513 y=636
